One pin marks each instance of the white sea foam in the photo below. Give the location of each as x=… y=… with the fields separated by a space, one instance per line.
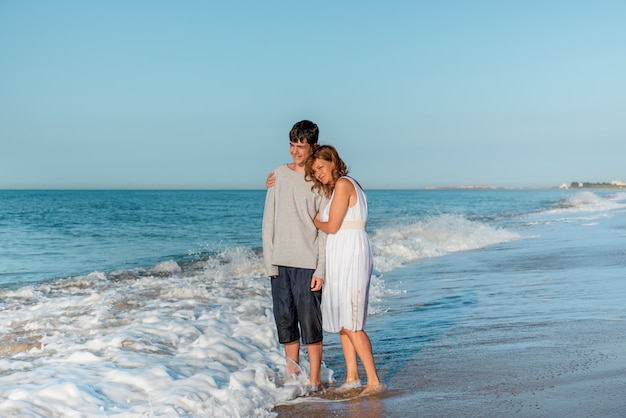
x=435 y=236
x=590 y=202
x=584 y=207
x=156 y=343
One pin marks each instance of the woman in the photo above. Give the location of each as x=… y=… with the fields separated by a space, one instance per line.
x=348 y=263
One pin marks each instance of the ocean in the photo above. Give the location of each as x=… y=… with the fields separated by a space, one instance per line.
x=155 y=303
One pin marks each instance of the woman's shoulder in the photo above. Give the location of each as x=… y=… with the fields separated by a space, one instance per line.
x=345 y=181
x=345 y=186
x=349 y=180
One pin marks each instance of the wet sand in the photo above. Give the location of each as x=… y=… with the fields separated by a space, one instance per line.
x=583 y=376
x=476 y=340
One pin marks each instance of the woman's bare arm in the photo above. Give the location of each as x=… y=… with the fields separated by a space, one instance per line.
x=338 y=208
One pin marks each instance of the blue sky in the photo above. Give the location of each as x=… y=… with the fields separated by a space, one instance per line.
x=202 y=94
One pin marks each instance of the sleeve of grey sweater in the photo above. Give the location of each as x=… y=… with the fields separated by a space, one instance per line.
x=320 y=271
x=268 y=232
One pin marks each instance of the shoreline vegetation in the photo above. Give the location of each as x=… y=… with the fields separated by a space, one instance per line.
x=585 y=185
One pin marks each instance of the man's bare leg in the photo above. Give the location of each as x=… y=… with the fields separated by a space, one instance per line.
x=292 y=353
x=315 y=358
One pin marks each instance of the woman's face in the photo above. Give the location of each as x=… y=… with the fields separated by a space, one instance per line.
x=323 y=170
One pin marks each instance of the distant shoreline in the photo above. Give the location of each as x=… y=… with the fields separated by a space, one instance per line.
x=564 y=187
x=461 y=187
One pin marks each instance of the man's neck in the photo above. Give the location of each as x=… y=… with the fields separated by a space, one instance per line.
x=295 y=167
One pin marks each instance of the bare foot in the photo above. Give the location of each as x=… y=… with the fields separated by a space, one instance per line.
x=374 y=389
x=349 y=385
x=314 y=387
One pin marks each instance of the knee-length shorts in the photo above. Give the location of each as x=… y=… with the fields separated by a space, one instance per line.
x=296 y=308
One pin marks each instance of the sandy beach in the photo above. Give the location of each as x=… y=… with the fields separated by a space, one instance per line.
x=467 y=376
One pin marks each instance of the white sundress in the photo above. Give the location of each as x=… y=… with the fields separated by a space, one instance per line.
x=348 y=269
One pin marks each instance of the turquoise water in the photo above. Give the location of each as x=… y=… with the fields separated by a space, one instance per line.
x=57 y=234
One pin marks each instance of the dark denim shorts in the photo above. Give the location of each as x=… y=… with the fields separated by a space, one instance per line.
x=294 y=303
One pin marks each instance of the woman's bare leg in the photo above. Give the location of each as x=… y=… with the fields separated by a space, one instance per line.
x=363 y=347
x=349 y=354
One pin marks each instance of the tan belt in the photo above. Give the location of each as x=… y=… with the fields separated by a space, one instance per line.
x=353 y=225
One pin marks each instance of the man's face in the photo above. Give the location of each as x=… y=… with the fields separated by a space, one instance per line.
x=300 y=151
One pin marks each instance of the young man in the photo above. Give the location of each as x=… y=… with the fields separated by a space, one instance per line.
x=294 y=253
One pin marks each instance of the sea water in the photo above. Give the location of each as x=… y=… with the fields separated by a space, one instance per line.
x=155 y=303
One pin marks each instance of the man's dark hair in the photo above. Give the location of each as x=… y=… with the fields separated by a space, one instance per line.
x=304 y=131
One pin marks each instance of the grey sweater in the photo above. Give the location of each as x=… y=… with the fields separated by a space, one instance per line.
x=289 y=237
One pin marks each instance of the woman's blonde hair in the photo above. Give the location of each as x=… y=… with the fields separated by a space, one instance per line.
x=330 y=154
